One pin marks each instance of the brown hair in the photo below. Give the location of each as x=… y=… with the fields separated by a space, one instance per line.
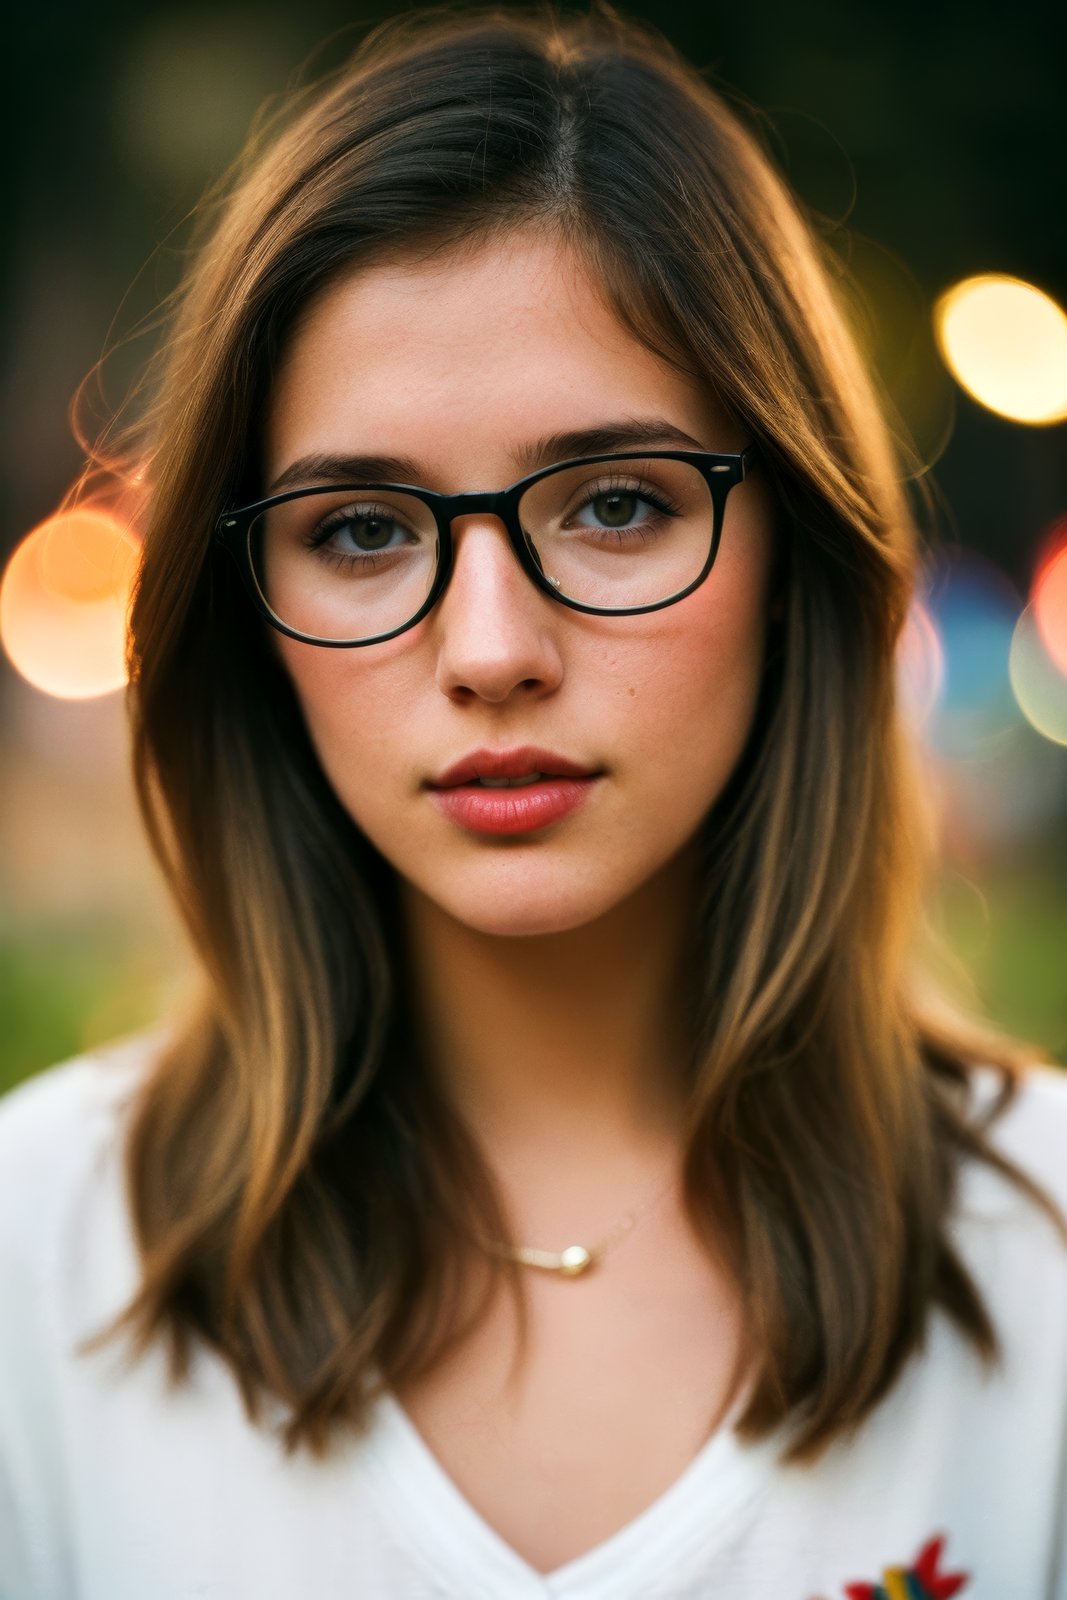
x=296 y=1186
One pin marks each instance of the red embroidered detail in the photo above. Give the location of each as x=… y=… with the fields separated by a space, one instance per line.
x=932 y=1584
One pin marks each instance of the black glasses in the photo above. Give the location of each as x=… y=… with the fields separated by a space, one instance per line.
x=354 y=564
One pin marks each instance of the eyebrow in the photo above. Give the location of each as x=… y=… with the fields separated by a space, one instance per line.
x=638 y=433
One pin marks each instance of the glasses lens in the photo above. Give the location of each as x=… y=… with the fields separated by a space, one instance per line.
x=345 y=564
x=633 y=531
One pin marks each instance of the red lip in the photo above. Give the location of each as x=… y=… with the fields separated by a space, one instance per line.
x=515 y=763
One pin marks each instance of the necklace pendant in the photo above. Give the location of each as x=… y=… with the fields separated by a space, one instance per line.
x=574 y=1260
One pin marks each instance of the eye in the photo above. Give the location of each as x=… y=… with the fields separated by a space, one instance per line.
x=357 y=530
x=616 y=506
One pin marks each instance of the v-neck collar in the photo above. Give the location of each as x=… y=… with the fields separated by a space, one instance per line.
x=698 y=1513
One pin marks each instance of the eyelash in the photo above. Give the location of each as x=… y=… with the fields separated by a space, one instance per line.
x=654 y=497
x=334 y=520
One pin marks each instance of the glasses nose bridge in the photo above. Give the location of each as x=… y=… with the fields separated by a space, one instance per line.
x=499 y=503
x=487 y=502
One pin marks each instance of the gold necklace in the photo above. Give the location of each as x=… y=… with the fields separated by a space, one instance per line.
x=576 y=1258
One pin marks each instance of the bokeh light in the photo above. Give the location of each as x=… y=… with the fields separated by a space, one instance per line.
x=64 y=599
x=973 y=606
x=999 y=780
x=1039 y=683
x=1048 y=596
x=1005 y=342
x=920 y=665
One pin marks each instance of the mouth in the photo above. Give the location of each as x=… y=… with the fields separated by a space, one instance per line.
x=505 y=783
x=510 y=769
x=522 y=805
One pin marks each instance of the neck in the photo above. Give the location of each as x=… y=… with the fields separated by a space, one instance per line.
x=561 y=1052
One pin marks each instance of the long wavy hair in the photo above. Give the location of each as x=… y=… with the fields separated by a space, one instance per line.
x=298 y=1190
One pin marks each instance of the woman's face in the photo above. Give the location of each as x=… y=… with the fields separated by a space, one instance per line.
x=462 y=364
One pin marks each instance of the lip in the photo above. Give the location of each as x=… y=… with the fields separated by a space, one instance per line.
x=517 y=762
x=522 y=810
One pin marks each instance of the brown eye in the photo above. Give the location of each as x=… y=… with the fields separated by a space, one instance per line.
x=369 y=532
x=358 y=530
x=615 y=510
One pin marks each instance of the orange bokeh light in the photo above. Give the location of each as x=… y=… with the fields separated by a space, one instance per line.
x=63 y=603
x=85 y=555
x=1048 y=596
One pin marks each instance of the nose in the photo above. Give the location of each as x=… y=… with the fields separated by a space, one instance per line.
x=496 y=633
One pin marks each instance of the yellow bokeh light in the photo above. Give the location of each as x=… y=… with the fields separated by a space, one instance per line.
x=1005 y=342
x=64 y=599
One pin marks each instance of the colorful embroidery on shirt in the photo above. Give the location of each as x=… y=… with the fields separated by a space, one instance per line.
x=921 y=1581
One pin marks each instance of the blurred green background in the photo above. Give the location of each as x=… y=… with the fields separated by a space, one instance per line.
x=928 y=142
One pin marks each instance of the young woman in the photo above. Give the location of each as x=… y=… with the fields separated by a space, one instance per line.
x=566 y=1187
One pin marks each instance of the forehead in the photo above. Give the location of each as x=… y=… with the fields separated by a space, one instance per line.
x=468 y=356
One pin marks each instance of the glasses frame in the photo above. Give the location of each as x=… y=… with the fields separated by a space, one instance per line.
x=720 y=471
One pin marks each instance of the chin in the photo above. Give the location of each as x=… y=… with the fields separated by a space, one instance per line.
x=524 y=924
x=519 y=910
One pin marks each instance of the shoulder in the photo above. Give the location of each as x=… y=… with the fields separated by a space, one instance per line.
x=56 y=1130
x=47 y=1114
x=1031 y=1129
x=66 y=1264
x=1030 y=1133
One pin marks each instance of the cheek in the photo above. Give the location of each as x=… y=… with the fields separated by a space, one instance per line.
x=346 y=704
x=703 y=671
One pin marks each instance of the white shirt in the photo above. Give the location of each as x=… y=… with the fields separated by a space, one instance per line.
x=113 y=1488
